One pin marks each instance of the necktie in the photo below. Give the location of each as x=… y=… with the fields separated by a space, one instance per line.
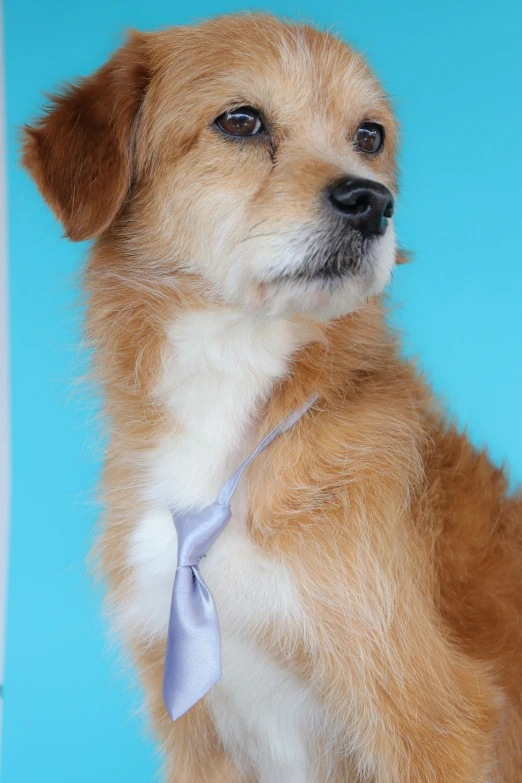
x=193 y=654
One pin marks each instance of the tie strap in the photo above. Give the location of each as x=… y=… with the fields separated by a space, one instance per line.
x=193 y=654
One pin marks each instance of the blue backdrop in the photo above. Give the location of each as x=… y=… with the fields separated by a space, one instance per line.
x=453 y=70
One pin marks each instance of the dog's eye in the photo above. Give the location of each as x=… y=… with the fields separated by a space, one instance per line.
x=244 y=121
x=370 y=137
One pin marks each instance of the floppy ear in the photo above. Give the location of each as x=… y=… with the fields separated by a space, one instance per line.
x=80 y=151
x=403 y=256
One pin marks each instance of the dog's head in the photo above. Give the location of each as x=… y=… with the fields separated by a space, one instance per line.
x=255 y=156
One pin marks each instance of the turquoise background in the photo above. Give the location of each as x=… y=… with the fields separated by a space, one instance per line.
x=454 y=72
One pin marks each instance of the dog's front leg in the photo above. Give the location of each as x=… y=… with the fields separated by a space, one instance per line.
x=412 y=707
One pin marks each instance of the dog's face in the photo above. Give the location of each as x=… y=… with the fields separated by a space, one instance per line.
x=261 y=157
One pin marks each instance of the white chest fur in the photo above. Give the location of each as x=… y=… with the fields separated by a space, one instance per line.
x=220 y=370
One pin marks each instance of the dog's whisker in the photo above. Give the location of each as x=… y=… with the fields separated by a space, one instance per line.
x=267 y=234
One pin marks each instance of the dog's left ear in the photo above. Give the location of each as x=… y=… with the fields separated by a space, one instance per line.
x=403 y=256
x=80 y=152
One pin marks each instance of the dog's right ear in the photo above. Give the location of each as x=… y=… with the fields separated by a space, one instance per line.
x=80 y=151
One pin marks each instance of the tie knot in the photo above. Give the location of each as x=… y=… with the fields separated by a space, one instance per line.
x=197 y=531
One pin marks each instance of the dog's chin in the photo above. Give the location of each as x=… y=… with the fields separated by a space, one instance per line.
x=318 y=293
x=312 y=274
x=311 y=298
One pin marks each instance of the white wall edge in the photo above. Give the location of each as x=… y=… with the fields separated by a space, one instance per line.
x=5 y=482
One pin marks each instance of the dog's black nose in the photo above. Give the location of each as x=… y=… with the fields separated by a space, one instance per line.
x=364 y=204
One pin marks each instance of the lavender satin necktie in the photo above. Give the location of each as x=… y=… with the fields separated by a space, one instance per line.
x=193 y=655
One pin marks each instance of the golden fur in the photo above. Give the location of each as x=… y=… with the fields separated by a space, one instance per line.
x=402 y=540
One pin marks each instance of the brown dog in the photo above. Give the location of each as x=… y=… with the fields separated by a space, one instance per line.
x=238 y=178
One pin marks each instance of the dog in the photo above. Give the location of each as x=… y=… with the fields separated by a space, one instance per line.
x=238 y=179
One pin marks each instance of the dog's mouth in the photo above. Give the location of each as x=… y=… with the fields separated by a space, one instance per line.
x=329 y=258
x=324 y=273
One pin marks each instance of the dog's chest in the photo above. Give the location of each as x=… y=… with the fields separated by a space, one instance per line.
x=265 y=717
